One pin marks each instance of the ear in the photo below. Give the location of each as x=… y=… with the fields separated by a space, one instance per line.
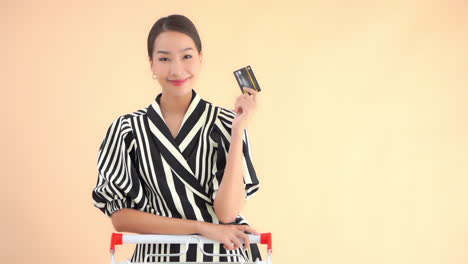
x=150 y=65
x=201 y=56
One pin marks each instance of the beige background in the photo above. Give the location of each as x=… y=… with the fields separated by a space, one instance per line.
x=360 y=141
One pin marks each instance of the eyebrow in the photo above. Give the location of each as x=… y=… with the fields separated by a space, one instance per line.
x=167 y=52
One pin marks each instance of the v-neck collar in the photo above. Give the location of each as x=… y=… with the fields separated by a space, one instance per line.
x=194 y=111
x=170 y=147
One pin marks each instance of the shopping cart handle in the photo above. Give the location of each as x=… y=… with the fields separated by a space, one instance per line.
x=120 y=239
x=116 y=239
x=265 y=238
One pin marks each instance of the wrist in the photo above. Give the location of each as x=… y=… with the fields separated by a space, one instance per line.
x=237 y=130
x=201 y=226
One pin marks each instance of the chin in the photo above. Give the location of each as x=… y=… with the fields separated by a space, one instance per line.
x=179 y=90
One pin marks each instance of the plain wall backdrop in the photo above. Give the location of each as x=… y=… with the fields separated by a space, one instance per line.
x=360 y=140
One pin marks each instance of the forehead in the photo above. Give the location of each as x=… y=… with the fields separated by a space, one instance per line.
x=173 y=42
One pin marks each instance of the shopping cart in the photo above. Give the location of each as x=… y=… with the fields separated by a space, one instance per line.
x=120 y=239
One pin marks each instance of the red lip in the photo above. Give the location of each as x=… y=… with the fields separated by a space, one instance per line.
x=178 y=82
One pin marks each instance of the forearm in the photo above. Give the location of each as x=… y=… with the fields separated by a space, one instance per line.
x=230 y=197
x=136 y=221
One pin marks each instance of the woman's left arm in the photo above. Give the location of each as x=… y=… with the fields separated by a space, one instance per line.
x=230 y=198
x=231 y=195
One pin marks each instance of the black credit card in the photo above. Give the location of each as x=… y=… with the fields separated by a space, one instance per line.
x=246 y=78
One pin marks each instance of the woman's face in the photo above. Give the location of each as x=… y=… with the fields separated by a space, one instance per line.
x=175 y=57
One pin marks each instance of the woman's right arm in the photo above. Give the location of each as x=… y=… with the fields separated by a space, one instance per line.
x=136 y=221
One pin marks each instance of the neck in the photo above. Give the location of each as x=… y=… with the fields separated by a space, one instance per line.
x=175 y=104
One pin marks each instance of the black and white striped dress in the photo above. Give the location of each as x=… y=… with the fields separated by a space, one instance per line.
x=141 y=166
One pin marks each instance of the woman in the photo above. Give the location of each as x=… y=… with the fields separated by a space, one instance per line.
x=180 y=165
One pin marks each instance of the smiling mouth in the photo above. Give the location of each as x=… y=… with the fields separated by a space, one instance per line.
x=180 y=80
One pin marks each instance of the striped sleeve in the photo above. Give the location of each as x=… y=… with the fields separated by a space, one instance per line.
x=221 y=135
x=118 y=185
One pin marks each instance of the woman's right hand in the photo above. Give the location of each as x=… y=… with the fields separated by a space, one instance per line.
x=229 y=235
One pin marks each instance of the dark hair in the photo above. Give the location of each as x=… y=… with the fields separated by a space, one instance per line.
x=177 y=23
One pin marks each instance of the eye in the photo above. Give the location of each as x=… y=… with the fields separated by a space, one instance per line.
x=188 y=55
x=162 y=59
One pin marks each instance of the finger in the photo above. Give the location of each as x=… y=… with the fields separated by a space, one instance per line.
x=237 y=243
x=251 y=230
x=228 y=244
x=254 y=96
x=246 y=101
x=236 y=105
x=252 y=93
x=250 y=90
x=247 y=104
x=244 y=107
x=239 y=108
x=246 y=239
x=250 y=98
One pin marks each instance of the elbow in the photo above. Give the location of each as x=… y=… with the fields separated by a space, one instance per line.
x=226 y=219
x=116 y=224
x=225 y=216
x=116 y=218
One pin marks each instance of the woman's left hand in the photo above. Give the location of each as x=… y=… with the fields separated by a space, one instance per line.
x=245 y=107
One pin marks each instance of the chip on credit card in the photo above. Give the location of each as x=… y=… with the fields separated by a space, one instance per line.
x=246 y=78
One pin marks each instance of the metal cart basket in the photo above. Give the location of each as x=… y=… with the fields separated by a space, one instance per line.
x=120 y=239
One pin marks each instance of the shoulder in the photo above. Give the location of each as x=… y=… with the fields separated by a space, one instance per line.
x=222 y=114
x=122 y=124
x=128 y=118
x=222 y=123
x=135 y=114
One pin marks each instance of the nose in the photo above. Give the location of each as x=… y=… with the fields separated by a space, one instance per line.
x=176 y=70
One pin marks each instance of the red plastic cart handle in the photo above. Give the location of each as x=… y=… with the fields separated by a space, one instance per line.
x=116 y=239
x=265 y=238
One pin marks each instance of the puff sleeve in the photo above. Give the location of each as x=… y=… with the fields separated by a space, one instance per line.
x=118 y=184
x=221 y=136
